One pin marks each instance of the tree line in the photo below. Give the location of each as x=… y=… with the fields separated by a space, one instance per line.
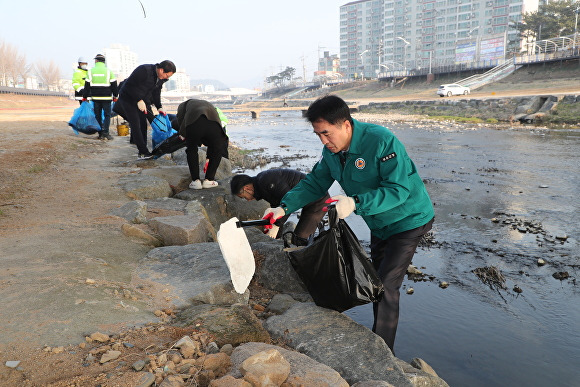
x=283 y=76
x=556 y=18
x=15 y=69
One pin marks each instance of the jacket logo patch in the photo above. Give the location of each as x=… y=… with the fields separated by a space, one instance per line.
x=388 y=157
x=360 y=163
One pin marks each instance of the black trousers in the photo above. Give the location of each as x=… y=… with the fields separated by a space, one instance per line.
x=391 y=257
x=101 y=106
x=211 y=134
x=137 y=122
x=310 y=217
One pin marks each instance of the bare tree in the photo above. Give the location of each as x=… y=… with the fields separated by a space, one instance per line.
x=23 y=68
x=17 y=61
x=48 y=74
x=13 y=65
x=3 y=63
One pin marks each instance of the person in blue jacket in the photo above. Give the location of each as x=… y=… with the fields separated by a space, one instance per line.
x=140 y=90
x=381 y=184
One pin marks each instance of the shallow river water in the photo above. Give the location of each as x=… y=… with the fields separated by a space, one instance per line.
x=487 y=185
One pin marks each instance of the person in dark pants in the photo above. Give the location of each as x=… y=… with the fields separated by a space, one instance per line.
x=272 y=185
x=199 y=123
x=101 y=87
x=141 y=89
x=381 y=184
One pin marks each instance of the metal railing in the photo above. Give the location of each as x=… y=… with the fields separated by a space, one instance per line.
x=22 y=91
x=500 y=71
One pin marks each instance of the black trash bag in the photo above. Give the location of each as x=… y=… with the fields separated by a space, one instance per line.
x=335 y=268
x=169 y=145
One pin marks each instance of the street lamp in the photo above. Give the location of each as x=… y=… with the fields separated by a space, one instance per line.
x=577 y=11
x=362 y=62
x=471 y=30
x=404 y=52
x=476 y=43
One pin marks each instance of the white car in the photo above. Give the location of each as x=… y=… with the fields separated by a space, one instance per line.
x=452 y=89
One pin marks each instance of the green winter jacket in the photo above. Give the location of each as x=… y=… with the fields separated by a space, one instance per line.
x=388 y=191
x=101 y=83
x=224 y=120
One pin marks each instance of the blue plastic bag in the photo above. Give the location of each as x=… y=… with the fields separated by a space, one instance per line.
x=162 y=129
x=83 y=120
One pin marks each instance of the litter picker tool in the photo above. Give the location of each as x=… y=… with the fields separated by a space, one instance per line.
x=237 y=252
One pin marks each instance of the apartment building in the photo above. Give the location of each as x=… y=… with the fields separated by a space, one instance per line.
x=405 y=35
x=121 y=60
x=180 y=81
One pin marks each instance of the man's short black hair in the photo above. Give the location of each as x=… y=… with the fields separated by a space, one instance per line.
x=167 y=66
x=329 y=108
x=238 y=182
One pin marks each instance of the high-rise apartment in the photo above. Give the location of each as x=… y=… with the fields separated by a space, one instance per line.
x=179 y=81
x=384 y=35
x=121 y=60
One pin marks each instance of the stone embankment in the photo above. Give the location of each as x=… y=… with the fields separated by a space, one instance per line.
x=282 y=339
x=532 y=109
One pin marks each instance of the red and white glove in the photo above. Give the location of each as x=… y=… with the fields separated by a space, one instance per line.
x=272 y=214
x=344 y=205
x=205 y=166
x=273 y=232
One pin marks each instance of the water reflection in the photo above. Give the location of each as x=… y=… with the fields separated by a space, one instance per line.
x=473 y=335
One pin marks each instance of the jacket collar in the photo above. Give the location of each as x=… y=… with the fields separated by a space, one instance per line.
x=355 y=141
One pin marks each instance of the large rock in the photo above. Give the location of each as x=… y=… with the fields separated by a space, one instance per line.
x=134 y=231
x=276 y=272
x=135 y=211
x=421 y=374
x=323 y=334
x=528 y=105
x=140 y=187
x=235 y=324
x=212 y=199
x=177 y=176
x=266 y=368
x=193 y=273
x=168 y=204
x=194 y=227
x=183 y=229
x=303 y=370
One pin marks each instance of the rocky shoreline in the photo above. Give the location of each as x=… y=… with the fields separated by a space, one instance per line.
x=539 y=109
x=273 y=326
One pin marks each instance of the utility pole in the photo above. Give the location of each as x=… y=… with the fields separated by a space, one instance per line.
x=577 y=11
x=380 y=55
x=303 y=69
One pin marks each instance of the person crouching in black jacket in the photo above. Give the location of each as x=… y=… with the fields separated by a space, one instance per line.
x=272 y=185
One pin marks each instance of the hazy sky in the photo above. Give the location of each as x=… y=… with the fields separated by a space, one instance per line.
x=235 y=41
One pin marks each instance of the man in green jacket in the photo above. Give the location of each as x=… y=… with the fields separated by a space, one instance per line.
x=380 y=183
